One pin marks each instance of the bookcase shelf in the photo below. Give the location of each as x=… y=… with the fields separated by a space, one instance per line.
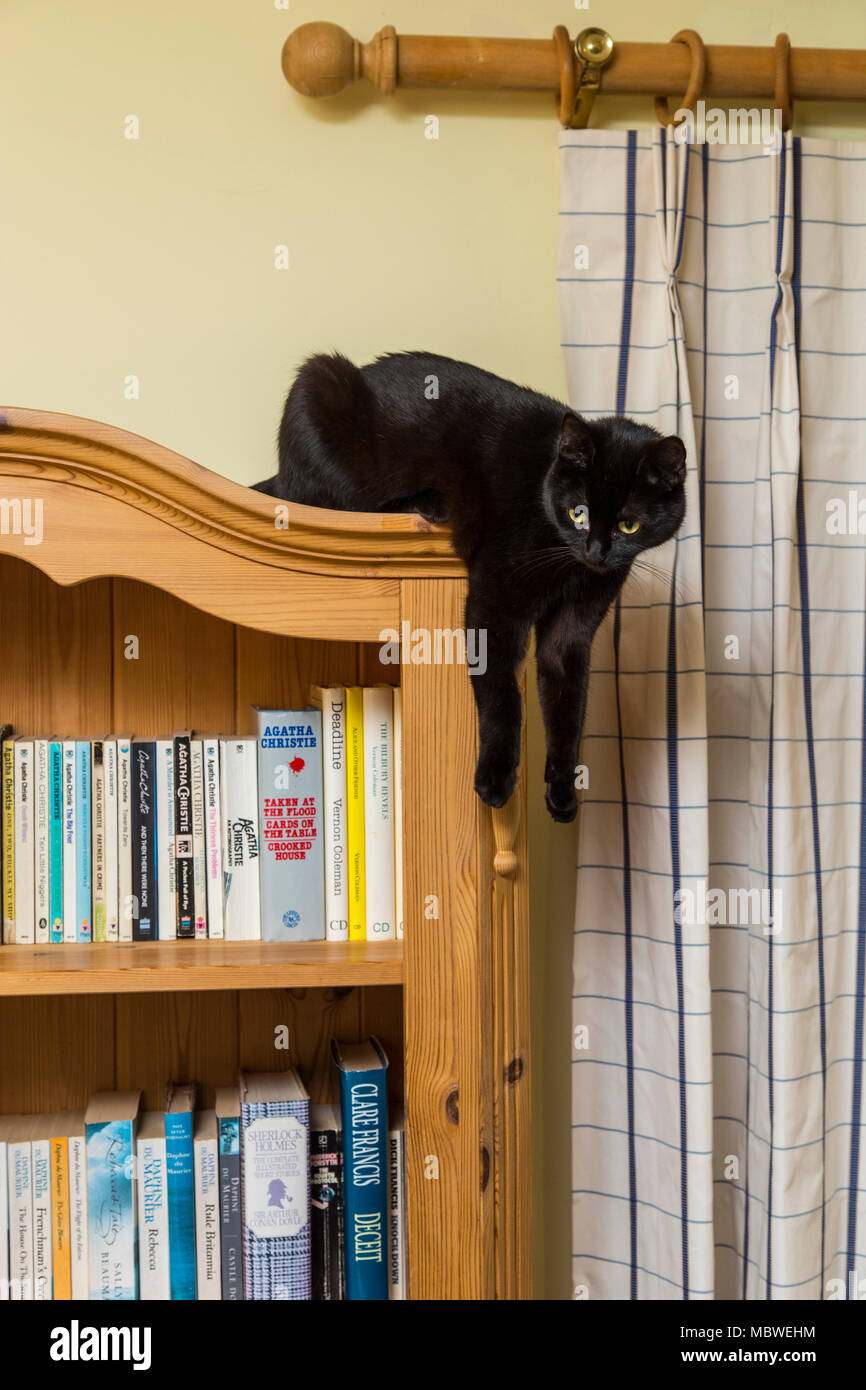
x=235 y=600
x=154 y=966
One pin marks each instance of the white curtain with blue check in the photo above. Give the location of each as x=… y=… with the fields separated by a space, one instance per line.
x=719 y=292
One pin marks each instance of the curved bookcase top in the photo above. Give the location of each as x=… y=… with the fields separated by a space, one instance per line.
x=84 y=454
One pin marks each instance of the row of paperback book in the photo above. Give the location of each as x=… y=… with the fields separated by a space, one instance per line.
x=261 y=1197
x=294 y=834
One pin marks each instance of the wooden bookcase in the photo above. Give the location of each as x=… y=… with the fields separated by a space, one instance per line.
x=231 y=609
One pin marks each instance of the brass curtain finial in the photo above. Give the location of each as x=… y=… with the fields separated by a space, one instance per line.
x=695 y=45
x=592 y=49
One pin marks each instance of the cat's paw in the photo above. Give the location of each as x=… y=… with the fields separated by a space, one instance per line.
x=561 y=800
x=494 y=780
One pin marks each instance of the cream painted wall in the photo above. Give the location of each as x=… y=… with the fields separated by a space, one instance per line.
x=156 y=258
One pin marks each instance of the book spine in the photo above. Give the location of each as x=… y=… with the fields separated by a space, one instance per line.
x=334 y=813
x=60 y=1219
x=379 y=812
x=8 y=787
x=355 y=812
x=55 y=841
x=145 y=926
x=125 y=894
x=207 y=1219
x=184 y=869
x=153 y=1220
x=240 y=843
x=110 y=1189
x=290 y=816
x=326 y=1215
x=41 y=879
x=70 y=844
x=231 y=1222
x=4 y=1222
x=213 y=839
x=24 y=857
x=79 y=1259
x=98 y=837
x=42 y=1243
x=275 y=1163
x=198 y=853
x=180 y=1187
x=166 y=882
x=398 y=810
x=111 y=861
x=397 y=1214
x=20 y=1220
x=365 y=1125
x=83 y=856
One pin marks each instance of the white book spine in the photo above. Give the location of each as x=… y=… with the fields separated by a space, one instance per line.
x=125 y=904
x=20 y=1220
x=24 y=836
x=42 y=903
x=70 y=866
x=213 y=839
x=240 y=840
x=397 y=1213
x=111 y=918
x=379 y=811
x=398 y=810
x=78 y=1216
x=4 y=1222
x=334 y=795
x=207 y=1220
x=43 y=1289
x=166 y=883
x=153 y=1261
x=198 y=841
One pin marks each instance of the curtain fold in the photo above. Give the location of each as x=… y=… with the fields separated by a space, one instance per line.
x=716 y=292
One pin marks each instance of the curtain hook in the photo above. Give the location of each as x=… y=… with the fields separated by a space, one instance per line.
x=782 y=80
x=593 y=48
x=695 y=45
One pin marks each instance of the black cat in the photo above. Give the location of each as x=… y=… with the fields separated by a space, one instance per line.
x=547 y=510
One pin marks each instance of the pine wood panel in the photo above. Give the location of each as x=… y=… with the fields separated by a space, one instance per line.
x=448 y=977
x=176 y=1037
x=55 y=671
x=55 y=1052
x=312 y=1017
x=277 y=672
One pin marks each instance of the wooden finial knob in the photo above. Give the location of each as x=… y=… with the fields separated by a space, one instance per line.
x=320 y=59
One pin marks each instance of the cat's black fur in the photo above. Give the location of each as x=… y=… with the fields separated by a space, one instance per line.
x=503 y=465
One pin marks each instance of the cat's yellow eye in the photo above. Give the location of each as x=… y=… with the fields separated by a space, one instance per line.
x=628 y=528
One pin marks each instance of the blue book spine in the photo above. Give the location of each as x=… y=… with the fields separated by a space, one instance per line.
x=83 y=864
x=55 y=840
x=112 y=1242
x=364 y=1108
x=180 y=1186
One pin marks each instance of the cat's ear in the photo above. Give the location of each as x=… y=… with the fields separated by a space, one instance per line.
x=664 y=464
x=575 y=445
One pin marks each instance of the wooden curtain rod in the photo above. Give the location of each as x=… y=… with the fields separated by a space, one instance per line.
x=320 y=59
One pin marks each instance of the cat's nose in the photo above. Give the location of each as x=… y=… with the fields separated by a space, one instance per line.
x=593 y=551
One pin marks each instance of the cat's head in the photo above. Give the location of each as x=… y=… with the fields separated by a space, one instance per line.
x=614 y=489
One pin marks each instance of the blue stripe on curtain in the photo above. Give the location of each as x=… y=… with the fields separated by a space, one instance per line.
x=622 y=379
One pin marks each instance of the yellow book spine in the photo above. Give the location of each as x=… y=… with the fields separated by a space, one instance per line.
x=62 y=1267
x=7 y=773
x=355 y=813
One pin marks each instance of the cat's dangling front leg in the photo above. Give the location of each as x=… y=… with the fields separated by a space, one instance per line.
x=562 y=656
x=500 y=640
